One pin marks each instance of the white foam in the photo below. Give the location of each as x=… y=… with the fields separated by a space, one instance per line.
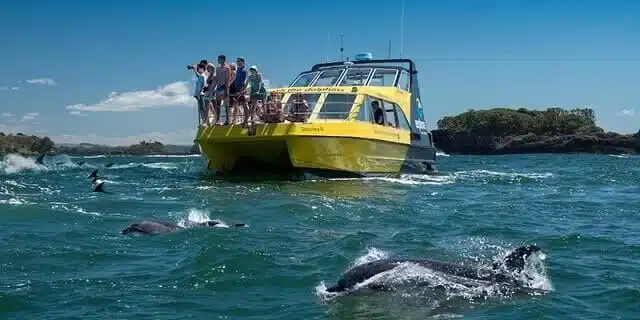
x=474 y=174
x=154 y=165
x=14 y=201
x=406 y=179
x=14 y=163
x=195 y=216
x=71 y=208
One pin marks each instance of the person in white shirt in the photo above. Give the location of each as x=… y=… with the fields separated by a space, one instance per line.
x=201 y=81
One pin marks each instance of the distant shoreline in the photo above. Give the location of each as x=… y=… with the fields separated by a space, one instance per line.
x=509 y=131
x=34 y=146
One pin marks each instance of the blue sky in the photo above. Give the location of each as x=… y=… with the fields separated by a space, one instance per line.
x=114 y=71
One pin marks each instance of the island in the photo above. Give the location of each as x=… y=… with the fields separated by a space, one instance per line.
x=139 y=149
x=24 y=145
x=513 y=131
x=34 y=146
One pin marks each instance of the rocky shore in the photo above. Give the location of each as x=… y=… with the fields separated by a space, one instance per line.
x=509 y=131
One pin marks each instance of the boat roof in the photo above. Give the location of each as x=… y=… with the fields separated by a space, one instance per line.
x=375 y=73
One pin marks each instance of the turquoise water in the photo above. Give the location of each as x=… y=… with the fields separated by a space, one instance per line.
x=63 y=257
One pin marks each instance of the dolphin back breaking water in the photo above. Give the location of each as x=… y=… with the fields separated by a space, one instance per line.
x=506 y=271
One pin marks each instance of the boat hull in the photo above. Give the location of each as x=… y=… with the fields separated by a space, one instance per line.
x=324 y=150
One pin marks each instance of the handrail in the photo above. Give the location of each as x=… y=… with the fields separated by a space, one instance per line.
x=411 y=69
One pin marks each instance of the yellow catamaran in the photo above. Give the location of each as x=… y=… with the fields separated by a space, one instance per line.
x=339 y=136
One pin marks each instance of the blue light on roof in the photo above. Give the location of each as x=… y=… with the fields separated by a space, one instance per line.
x=364 y=56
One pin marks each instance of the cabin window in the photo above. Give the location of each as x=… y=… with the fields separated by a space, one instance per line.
x=403 y=81
x=310 y=98
x=328 y=78
x=402 y=119
x=383 y=77
x=336 y=106
x=356 y=77
x=389 y=114
x=365 y=113
x=304 y=79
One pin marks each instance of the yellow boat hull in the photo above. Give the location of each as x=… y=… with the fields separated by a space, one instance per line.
x=327 y=149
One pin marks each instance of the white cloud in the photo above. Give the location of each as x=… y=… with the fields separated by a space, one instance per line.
x=30 y=116
x=183 y=137
x=45 y=81
x=3 y=88
x=173 y=94
x=6 y=114
x=77 y=113
x=627 y=112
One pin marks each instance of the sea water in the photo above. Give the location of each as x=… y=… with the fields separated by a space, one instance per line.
x=62 y=255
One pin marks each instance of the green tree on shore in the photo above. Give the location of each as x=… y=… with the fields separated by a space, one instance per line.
x=506 y=122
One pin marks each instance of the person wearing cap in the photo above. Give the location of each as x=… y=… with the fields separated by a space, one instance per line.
x=257 y=91
x=201 y=82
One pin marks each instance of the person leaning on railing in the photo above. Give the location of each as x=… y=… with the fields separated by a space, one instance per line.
x=257 y=91
x=272 y=112
x=299 y=109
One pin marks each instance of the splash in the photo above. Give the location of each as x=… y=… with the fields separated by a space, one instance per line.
x=194 y=216
x=14 y=163
x=411 y=280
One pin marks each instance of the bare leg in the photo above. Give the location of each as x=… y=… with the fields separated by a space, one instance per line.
x=216 y=106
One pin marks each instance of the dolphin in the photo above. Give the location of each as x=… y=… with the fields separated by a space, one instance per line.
x=99 y=187
x=153 y=227
x=501 y=272
x=40 y=158
x=93 y=174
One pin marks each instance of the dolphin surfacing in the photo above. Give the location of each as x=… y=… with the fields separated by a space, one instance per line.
x=501 y=272
x=40 y=158
x=99 y=187
x=154 y=227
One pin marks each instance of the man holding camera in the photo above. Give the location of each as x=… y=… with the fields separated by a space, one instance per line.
x=199 y=70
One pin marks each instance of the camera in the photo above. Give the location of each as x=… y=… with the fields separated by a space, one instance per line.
x=189 y=67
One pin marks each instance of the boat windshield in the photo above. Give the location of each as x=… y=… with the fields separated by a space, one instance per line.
x=356 y=77
x=328 y=78
x=304 y=79
x=365 y=75
x=384 y=77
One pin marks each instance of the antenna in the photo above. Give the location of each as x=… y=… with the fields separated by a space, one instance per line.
x=342 y=47
x=389 y=47
x=326 y=48
x=401 y=28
